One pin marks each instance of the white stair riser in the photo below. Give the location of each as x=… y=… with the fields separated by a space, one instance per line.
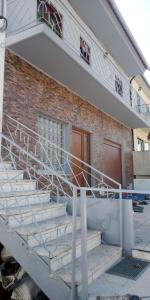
x=27 y=218
x=19 y=201
x=14 y=174
x=141 y=254
x=104 y=268
x=56 y=264
x=50 y=235
x=99 y=270
x=17 y=186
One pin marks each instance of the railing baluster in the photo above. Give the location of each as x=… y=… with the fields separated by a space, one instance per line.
x=121 y=216
x=84 y=262
x=74 y=229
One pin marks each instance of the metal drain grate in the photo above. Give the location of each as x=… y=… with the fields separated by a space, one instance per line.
x=129 y=267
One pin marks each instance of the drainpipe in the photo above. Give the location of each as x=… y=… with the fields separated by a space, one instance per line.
x=3 y=27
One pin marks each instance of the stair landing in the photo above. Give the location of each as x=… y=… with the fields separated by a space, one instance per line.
x=110 y=285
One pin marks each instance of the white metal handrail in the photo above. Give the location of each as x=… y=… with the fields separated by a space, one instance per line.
x=23 y=159
x=66 y=161
x=26 y=161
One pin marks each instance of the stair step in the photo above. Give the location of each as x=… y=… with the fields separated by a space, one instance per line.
x=11 y=174
x=47 y=230
x=58 y=253
x=6 y=165
x=11 y=200
x=17 y=185
x=99 y=260
x=32 y=214
x=141 y=254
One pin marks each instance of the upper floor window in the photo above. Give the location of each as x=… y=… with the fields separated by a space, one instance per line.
x=146 y=147
x=118 y=86
x=50 y=15
x=85 y=51
x=142 y=145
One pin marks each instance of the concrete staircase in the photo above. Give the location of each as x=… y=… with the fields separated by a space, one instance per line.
x=38 y=233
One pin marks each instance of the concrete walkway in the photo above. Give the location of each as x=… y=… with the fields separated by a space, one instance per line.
x=111 y=285
x=142 y=229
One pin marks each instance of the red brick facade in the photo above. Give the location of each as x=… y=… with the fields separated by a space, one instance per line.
x=29 y=92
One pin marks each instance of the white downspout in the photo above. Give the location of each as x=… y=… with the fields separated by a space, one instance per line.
x=3 y=25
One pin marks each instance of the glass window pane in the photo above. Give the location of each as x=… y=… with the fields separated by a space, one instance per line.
x=53 y=132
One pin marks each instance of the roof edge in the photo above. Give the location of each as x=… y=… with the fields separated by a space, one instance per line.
x=128 y=33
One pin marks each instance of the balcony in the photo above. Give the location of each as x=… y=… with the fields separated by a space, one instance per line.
x=54 y=39
x=141 y=163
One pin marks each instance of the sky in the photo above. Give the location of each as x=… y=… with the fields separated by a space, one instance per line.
x=137 y=16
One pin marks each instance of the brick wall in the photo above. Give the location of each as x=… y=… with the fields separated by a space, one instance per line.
x=28 y=92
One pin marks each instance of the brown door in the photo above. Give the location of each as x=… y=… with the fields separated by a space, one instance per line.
x=80 y=149
x=112 y=161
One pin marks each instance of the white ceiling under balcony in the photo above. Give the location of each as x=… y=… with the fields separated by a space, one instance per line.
x=103 y=17
x=42 y=48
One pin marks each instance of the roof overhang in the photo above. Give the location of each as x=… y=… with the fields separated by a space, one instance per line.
x=105 y=20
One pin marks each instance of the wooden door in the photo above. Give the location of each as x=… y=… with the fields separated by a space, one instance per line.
x=81 y=150
x=112 y=161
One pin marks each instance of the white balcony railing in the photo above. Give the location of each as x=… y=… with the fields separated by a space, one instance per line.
x=62 y=19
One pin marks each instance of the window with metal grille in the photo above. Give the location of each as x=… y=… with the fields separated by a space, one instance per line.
x=85 y=51
x=52 y=132
x=140 y=144
x=49 y=14
x=118 y=86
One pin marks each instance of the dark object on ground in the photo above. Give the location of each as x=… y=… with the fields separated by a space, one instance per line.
x=143 y=202
x=139 y=209
x=129 y=267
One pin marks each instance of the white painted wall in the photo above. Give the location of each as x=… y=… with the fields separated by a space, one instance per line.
x=141 y=163
x=104 y=69
x=142 y=184
x=104 y=215
x=22 y=15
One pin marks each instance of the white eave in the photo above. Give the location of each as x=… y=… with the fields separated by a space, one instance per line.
x=105 y=20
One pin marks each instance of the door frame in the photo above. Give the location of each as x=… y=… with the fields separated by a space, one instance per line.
x=119 y=146
x=83 y=132
x=89 y=142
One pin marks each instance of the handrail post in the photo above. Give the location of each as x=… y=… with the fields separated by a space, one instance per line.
x=121 y=216
x=58 y=198
x=84 y=268
x=74 y=232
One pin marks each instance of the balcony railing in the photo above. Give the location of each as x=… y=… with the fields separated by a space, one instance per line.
x=63 y=21
x=138 y=103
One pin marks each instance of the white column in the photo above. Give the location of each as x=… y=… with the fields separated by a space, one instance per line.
x=128 y=227
x=2 y=62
